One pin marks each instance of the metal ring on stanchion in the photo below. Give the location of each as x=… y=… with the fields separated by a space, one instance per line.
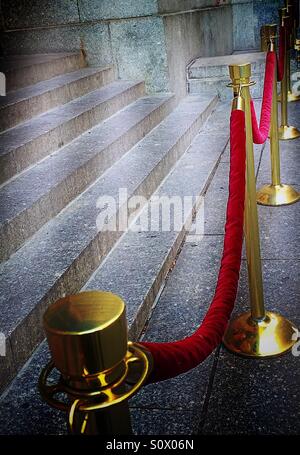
x=99 y=369
x=107 y=394
x=134 y=354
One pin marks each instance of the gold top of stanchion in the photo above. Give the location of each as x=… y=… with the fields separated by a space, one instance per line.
x=290 y=7
x=240 y=73
x=282 y=14
x=86 y=332
x=268 y=32
x=83 y=313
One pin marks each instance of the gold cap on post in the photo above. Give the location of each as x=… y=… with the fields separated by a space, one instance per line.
x=268 y=33
x=290 y=7
x=282 y=15
x=240 y=74
x=81 y=327
x=282 y=12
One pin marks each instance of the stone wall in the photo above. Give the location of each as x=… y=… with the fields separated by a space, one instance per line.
x=191 y=35
x=248 y=17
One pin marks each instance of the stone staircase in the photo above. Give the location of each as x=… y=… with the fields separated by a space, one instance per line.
x=210 y=75
x=69 y=136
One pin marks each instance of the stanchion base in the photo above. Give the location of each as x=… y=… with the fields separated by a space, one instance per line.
x=277 y=195
x=271 y=337
x=288 y=132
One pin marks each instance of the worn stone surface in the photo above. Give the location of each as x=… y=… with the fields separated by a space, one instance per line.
x=289 y=163
x=191 y=35
x=248 y=18
x=243 y=25
x=139 y=49
x=31 y=141
x=23 y=104
x=164 y=422
x=261 y=395
x=184 y=301
x=21 y=71
x=108 y=9
x=34 y=197
x=265 y=12
x=63 y=254
x=279 y=233
x=22 y=14
x=147 y=256
x=29 y=414
x=36 y=41
x=168 y=6
x=96 y=41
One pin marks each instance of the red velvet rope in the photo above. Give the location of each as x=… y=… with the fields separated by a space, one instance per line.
x=280 y=62
x=174 y=358
x=261 y=133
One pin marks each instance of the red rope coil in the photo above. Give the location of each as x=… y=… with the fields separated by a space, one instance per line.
x=261 y=133
x=174 y=358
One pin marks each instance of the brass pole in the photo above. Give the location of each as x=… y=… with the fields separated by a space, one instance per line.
x=100 y=370
x=240 y=74
x=286 y=131
x=256 y=333
x=276 y=194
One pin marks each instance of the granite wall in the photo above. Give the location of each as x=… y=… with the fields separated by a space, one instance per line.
x=204 y=33
x=248 y=17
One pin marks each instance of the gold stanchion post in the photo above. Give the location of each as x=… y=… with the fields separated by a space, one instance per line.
x=257 y=333
x=99 y=369
x=285 y=131
x=275 y=194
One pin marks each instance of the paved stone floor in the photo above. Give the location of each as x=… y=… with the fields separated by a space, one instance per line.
x=228 y=394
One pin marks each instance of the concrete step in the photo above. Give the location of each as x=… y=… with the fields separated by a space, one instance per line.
x=33 y=140
x=25 y=103
x=23 y=70
x=145 y=256
x=211 y=74
x=38 y=194
x=63 y=254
